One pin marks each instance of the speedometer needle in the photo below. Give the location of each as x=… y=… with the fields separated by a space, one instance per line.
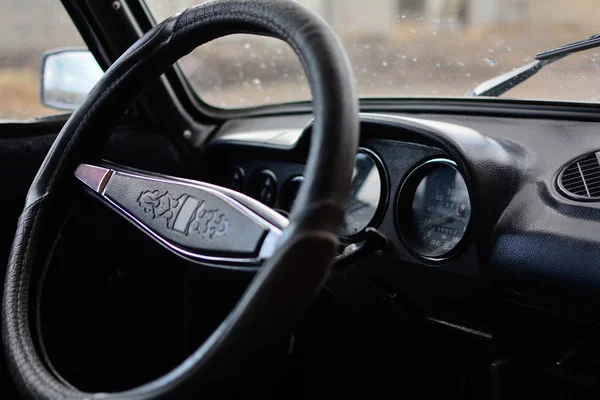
x=356 y=206
x=441 y=219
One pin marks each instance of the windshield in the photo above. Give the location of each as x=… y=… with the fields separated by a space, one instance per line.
x=407 y=48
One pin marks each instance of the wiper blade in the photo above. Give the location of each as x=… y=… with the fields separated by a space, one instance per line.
x=496 y=86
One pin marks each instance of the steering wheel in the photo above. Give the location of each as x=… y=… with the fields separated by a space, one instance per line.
x=202 y=222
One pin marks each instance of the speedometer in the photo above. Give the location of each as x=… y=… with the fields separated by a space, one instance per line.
x=368 y=194
x=434 y=209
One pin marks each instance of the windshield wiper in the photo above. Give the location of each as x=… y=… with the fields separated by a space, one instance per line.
x=496 y=86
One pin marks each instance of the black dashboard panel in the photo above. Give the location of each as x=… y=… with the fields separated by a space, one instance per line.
x=527 y=243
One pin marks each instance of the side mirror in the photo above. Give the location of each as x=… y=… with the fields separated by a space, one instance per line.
x=68 y=75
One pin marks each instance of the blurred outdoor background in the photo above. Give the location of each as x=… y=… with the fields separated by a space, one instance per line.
x=398 y=48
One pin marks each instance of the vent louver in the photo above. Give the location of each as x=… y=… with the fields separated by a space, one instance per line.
x=580 y=180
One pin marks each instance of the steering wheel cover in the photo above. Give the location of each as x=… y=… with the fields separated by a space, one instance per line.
x=288 y=282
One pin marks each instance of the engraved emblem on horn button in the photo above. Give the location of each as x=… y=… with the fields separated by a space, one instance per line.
x=185 y=214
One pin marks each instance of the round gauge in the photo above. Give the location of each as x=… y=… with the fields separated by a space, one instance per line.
x=367 y=191
x=263 y=187
x=289 y=192
x=434 y=209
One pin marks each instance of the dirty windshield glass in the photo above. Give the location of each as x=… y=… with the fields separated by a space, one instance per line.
x=407 y=48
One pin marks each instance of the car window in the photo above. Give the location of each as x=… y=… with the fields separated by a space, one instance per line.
x=27 y=30
x=407 y=48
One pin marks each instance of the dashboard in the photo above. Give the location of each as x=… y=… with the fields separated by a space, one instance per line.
x=481 y=213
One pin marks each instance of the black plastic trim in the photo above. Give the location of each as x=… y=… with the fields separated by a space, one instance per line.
x=452 y=106
x=95 y=43
x=470 y=106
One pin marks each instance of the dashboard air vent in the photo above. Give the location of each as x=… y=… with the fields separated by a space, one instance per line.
x=580 y=180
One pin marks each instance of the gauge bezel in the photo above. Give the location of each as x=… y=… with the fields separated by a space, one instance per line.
x=249 y=190
x=383 y=197
x=282 y=192
x=403 y=210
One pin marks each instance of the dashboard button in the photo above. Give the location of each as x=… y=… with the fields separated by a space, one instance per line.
x=263 y=187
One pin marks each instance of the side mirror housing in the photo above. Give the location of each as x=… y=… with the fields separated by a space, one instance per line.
x=68 y=75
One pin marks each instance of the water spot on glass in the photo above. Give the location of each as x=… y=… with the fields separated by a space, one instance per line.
x=245 y=83
x=253 y=55
x=403 y=16
x=263 y=66
x=414 y=59
x=491 y=62
x=247 y=46
x=256 y=81
x=438 y=65
x=384 y=63
x=490 y=50
x=364 y=70
x=460 y=63
x=468 y=74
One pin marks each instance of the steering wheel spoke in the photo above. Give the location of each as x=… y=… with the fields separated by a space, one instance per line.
x=196 y=220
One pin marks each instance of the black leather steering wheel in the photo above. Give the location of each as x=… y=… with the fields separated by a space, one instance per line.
x=230 y=229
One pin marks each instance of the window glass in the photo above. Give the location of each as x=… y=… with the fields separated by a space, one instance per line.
x=408 y=48
x=27 y=30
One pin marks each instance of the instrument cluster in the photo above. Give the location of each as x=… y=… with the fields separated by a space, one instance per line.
x=431 y=211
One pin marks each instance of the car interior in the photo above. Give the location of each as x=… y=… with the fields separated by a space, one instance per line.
x=184 y=227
